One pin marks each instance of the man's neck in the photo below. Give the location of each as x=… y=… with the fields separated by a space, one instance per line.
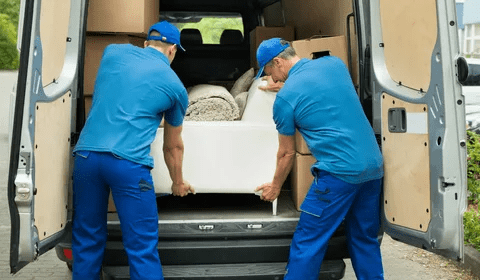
x=160 y=50
x=291 y=62
x=156 y=48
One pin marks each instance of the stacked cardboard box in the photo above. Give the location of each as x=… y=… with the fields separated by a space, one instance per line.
x=114 y=22
x=300 y=144
x=126 y=16
x=318 y=47
x=301 y=176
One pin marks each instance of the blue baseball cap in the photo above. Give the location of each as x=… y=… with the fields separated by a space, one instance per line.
x=267 y=51
x=168 y=33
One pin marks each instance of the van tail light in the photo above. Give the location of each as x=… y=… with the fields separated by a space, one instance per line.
x=68 y=253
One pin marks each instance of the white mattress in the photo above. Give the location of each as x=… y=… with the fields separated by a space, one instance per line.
x=225 y=156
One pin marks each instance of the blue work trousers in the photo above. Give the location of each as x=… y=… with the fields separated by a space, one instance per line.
x=329 y=202
x=94 y=175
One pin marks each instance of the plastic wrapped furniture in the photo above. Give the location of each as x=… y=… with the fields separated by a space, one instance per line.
x=226 y=156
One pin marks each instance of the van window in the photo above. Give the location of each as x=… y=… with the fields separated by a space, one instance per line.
x=214 y=28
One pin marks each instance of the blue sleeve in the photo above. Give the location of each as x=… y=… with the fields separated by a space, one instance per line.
x=175 y=115
x=283 y=116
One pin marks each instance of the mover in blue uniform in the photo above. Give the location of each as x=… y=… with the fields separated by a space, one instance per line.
x=135 y=87
x=318 y=98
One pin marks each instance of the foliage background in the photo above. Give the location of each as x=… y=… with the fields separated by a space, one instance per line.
x=471 y=218
x=473 y=167
x=9 y=58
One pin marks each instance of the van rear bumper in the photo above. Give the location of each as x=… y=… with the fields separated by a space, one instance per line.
x=219 y=252
x=332 y=269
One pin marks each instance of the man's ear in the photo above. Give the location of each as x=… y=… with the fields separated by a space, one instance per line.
x=145 y=44
x=172 y=49
x=276 y=61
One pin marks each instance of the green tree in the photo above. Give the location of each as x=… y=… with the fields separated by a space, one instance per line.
x=473 y=166
x=471 y=218
x=8 y=44
x=11 y=9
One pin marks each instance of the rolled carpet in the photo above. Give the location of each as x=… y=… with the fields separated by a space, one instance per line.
x=211 y=103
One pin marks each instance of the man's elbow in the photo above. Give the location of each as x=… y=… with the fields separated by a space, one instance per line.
x=173 y=147
x=286 y=154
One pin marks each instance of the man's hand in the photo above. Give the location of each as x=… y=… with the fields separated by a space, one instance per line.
x=182 y=189
x=270 y=192
x=271 y=85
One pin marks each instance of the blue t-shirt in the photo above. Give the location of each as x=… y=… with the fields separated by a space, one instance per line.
x=319 y=100
x=134 y=88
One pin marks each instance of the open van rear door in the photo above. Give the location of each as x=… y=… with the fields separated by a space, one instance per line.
x=408 y=71
x=44 y=119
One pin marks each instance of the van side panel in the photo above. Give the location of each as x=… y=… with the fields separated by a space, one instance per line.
x=409 y=30
x=52 y=162
x=407 y=165
x=54 y=19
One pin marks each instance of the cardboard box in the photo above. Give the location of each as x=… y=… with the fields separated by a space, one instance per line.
x=301 y=178
x=314 y=48
x=261 y=33
x=88 y=105
x=300 y=144
x=94 y=47
x=126 y=16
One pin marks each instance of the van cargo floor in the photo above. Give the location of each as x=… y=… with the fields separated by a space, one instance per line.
x=221 y=207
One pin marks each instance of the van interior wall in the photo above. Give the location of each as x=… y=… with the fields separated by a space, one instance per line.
x=273 y=15
x=53 y=31
x=313 y=18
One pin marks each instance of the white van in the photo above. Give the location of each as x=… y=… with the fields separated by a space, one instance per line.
x=404 y=60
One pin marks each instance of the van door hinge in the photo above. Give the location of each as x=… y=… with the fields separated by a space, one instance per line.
x=25 y=161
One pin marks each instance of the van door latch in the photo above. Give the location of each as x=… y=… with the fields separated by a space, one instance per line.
x=397 y=120
x=447 y=184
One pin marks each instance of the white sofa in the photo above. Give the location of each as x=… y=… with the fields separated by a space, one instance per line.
x=226 y=156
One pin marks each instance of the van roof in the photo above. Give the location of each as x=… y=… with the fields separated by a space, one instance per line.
x=214 y=5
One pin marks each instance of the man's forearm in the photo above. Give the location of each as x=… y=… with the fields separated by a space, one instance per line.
x=173 y=159
x=284 y=165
